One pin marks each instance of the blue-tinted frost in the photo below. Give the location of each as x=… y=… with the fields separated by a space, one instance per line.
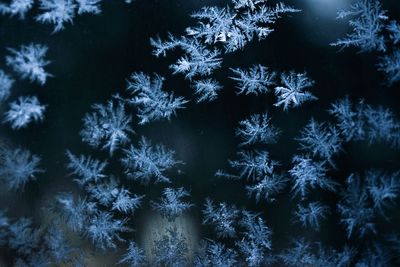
x=16 y=7
x=216 y=254
x=145 y=162
x=107 y=127
x=86 y=168
x=104 y=230
x=6 y=83
x=198 y=60
x=206 y=90
x=23 y=111
x=88 y=6
x=257 y=129
x=152 y=103
x=57 y=12
x=223 y=217
x=383 y=188
x=311 y=214
x=236 y=27
x=171 y=250
x=354 y=209
x=308 y=174
x=29 y=62
x=23 y=237
x=390 y=65
x=367 y=22
x=171 y=204
x=291 y=92
x=350 y=119
x=267 y=188
x=255 y=80
x=17 y=167
x=134 y=256
x=321 y=140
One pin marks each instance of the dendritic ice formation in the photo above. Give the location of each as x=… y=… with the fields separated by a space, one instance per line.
x=373 y=31
x=290 y=183
x=56 y=12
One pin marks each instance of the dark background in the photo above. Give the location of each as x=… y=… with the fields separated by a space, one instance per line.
x=92 y=59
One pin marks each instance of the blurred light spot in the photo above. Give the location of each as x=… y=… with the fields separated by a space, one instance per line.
x=327 y=7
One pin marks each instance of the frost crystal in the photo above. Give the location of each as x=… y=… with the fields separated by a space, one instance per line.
x=23 y=111
x=383 y=188
x=29 y=62
x=88 y=6
x=256 y=230
x=367 y=25
x=17 y=167
x=251 y=165
x=311 y=214
x=107 y=126
x=256 y=80
x=292 y=93
x=171 y=249
x=5 y=85
x=197 y=61
x=257 y=166
x=303 y=253
x=58 y=245
x=110 y=194
x=212 y=253
x=153 y=103
x=256 y=240
x=206 y=90
x=75 y=213
x=146 y=162
x=354 y=209
x=257 y=130
x=104 y=193
x=104 y=230
x=394 y=29
x=57 y=12
x=320 y=140
x=23 y=237
x=267 y=188
x=16 y=7
x=125 y=202
x=223 y=217
x=87 y=168
x=382 y=125
x=309 y=174
x=171 y=204
x=134 y=256
x=234 y=29
x=390 y=65
x=350 y=121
